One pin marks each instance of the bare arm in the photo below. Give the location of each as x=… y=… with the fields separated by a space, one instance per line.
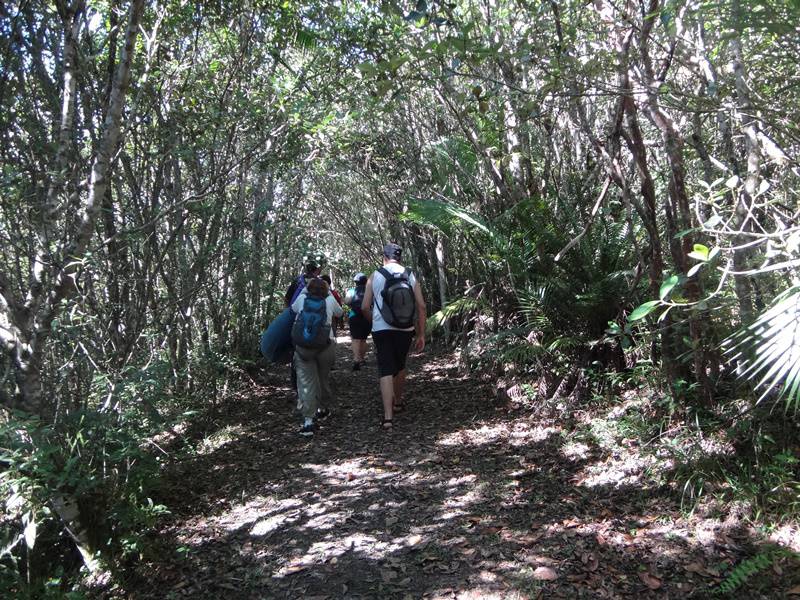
x=335 y=308
x=366 y=303
x=419 y=346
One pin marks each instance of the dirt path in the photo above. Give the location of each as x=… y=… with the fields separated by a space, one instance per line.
x=464 y=499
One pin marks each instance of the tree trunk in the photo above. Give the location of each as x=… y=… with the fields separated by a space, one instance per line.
x=442 y=277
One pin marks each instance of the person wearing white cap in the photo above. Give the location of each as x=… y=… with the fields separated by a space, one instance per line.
x=360 y=327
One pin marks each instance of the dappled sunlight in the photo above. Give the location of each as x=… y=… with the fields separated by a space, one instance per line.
x=575 y=451
x=264 y=514
x=626 y=470
x=519 y=434
x=354 y=471
x=466 y=502
x=786 y=535
x=330 y=551
x=460 y=501
x=219 y=439
x=266 y=526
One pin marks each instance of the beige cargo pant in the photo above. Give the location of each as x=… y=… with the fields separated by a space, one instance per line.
x=313 y=377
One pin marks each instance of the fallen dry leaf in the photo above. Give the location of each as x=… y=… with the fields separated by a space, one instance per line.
x=491 y=529
x=590 y=560
x=530 y=538
x=545 y=574
x=696 y=567
x=649 y=580
x=795 y=591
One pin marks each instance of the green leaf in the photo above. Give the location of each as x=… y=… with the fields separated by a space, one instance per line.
x=732 y=182
x=367 y=68
x=695 y=269
x=684 y=233
x=30 y=533
x=640 y=312
x=667 y=286
x=700 y=252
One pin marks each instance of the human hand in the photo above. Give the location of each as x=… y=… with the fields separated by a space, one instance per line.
x=419 y=344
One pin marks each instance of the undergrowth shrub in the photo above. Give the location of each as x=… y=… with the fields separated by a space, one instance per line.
x=100 y=459
x=104 y=454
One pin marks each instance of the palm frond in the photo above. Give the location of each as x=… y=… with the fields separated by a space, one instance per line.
x=461 y=306
x=446 y=216
x=769 y=349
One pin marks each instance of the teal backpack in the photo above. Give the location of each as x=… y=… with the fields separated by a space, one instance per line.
x=311 y=329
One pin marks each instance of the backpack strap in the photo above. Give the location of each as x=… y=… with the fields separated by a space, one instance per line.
x=388 y=275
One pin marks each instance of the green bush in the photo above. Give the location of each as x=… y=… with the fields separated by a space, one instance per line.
x=96 y=458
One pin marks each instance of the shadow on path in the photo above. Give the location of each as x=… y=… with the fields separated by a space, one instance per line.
x=462 y=500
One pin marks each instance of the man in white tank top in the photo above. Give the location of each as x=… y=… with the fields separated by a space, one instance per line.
x=393 y=339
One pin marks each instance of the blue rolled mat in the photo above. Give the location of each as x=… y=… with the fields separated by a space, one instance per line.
x=276 y=341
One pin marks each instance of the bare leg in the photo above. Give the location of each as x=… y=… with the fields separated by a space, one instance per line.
x=387 y=395
x=398 y=383
x=362 y=350
x=354 y=346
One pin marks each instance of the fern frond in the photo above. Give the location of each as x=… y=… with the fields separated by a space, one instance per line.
x=745 y=570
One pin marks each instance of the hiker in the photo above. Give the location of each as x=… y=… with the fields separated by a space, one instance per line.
x=314 y=350
x=360 y=326
x=398 y=309
x=310 y=271
x=337 y=321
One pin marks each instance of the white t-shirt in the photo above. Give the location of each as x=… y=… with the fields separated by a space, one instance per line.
x=331 y=307
x=378 y=281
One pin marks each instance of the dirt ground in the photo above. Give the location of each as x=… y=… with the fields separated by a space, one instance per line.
x=468 y=497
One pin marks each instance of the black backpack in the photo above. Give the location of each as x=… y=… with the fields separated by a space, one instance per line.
x=358 y=298
x=310 y=329
x=399 y=307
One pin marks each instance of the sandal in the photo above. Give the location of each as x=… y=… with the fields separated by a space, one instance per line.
x=386 y=424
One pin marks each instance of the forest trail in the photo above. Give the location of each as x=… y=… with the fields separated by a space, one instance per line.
x=466 y=498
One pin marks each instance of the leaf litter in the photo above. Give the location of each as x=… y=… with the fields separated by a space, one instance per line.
x=466 y=498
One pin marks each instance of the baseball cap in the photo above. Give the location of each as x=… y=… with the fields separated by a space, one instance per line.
x=359 y=277
x=392 y=251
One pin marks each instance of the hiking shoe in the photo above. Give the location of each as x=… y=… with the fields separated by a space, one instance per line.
x=322 y=413
x=307 y=430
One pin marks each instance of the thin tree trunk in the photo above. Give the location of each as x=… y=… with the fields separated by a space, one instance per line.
x=442 y=282
x=744 y=199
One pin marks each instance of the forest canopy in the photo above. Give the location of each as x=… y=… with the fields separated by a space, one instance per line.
x=584 y=189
